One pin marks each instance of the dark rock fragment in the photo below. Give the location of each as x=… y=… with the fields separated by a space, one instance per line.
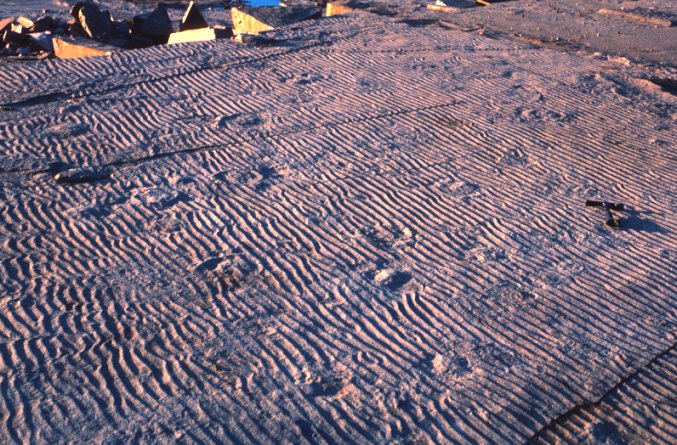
x=121 y=28
x=72 y=28
x=78 y=175
x=16 y=38
x=192 y=19
x=45 y=23
x=75 y=10
x=155 y=25
x=97 y=24
x=259 y=40
x=8 y=50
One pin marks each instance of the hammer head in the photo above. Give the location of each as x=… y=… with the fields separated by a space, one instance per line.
x=611 y=219
x=605 y=204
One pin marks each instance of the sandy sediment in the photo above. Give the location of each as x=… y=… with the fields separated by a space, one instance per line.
x=643 y=30
x=370 y=231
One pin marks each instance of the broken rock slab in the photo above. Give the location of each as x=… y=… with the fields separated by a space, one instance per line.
x=79 y=48
x=199 y=35
x=192 y=19
x=96 y=23
x=25 y=22
x=6 y=24
x=267 y=18
x=336 y=8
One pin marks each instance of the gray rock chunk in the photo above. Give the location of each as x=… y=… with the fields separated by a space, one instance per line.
x=42 y=41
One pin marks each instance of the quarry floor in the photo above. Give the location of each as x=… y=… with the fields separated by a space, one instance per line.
x=371 y=229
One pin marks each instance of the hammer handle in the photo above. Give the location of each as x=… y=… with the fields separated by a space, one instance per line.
x=606 y=205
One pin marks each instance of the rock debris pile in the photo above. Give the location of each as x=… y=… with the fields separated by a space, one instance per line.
x=93 y=31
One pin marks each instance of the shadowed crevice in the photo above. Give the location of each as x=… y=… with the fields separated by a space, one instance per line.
x=577 y=409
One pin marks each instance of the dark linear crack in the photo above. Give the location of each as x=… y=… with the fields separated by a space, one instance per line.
x=261 y=136
x=264 y=136
x=577 y=409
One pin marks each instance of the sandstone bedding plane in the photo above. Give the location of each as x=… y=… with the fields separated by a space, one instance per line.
x=371 y=230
